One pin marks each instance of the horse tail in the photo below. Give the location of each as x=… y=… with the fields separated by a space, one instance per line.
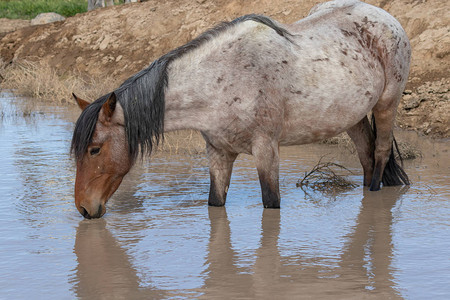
x=393 y=173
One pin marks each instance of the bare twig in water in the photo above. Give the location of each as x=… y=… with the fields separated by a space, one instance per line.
x=323 y=178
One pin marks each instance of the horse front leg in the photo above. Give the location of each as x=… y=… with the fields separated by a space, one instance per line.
x=266 y=153
x=220 y=167
x=364 y=140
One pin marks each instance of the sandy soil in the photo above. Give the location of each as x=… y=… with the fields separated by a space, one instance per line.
x=123 y=39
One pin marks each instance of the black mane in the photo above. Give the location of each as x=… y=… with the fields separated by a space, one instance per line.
x=142 y=97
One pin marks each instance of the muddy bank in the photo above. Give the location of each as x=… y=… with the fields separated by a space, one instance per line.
x=119 y=41
x=426 y=109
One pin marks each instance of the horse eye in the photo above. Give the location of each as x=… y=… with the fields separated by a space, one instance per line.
x=94 y=151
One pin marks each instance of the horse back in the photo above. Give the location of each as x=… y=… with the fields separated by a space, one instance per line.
x=373 y=28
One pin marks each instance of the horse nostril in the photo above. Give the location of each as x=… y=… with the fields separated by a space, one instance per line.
x=85 y=213
x=99 y=212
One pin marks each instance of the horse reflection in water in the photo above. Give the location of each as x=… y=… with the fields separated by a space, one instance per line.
x=364 y=265
x=249 y=86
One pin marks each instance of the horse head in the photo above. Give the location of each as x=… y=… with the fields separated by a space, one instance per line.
x=102 y=154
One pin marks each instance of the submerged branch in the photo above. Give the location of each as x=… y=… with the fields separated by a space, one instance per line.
x=323 y=178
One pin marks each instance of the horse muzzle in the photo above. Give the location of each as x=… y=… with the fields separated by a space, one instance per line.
x=93 y=210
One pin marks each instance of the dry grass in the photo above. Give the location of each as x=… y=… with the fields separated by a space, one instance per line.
x=188 y=142
x=39 y=80
x=343 y=141
x=408 y=151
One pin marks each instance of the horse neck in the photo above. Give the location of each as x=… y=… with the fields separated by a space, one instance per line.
x=193 y=97
x=186 y=104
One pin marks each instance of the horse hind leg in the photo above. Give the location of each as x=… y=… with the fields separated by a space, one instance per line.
x=386 y=169
x=364 y=140
x=220 y=168
x=266 y=153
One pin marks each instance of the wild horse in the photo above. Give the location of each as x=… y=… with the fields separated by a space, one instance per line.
x=249 y=86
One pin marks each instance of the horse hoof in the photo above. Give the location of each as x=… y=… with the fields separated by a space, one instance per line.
x=374 y=187
x=218 y=204
x=272 y=205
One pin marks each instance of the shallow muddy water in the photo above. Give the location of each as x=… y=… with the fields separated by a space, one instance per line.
x=159 y=238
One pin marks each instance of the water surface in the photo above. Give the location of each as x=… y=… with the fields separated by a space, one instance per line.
x=159 y=238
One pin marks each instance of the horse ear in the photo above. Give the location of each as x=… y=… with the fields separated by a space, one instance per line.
x=81 y=103
x=109 y=107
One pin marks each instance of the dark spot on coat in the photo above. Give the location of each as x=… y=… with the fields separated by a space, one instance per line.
x=321 y=59
x=344 y=51
x=398 y=77
x=284 y=62
x=247 y=66
x=346 y=32
x=235 y=99
x=219 y=79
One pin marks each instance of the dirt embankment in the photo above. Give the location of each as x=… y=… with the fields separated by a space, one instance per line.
x=121 y=40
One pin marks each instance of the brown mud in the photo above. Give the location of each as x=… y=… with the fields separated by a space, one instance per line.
x=121 y=40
